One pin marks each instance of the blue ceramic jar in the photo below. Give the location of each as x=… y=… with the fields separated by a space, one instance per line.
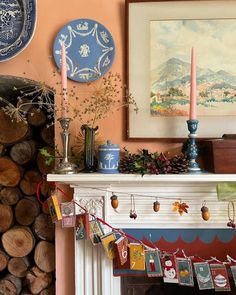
x=108 y=158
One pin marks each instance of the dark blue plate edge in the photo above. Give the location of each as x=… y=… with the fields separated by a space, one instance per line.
x=26 y=43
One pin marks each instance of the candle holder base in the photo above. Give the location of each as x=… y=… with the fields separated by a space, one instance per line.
x=65 y=167
x=192 y=150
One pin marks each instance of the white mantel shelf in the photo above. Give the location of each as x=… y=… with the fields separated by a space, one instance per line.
x=93 y=271
x=83 y=178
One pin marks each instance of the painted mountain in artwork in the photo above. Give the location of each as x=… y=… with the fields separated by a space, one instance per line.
x=170 y=88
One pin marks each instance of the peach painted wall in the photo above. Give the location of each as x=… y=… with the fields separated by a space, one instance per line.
x=52 y=15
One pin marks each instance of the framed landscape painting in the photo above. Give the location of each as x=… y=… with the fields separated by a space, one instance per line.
x=161 y=35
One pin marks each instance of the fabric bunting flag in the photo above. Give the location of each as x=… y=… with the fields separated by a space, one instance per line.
x=153 y=264
x=184 y=271
x=220 y=277
x=108 y=244
x=54 y=208
x=137 y=256
x=96 y=232
x=68 y=214
x=169 y=268
x=82 y=227
x=233 y=270
x=121 y=248
x=203 y=275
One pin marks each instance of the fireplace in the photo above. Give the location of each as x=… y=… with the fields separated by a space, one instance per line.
x=93 y=271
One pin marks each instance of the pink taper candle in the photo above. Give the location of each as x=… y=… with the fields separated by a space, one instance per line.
x=64 y=98
x=193 y=88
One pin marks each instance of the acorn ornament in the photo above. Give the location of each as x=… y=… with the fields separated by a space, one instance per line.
x=156 y=206
x=132 y=212
x=114 y=201
x=205 y=212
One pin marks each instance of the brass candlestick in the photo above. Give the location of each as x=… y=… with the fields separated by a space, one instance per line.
x=65 y=167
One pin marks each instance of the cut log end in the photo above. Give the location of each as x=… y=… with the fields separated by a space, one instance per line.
x=43 y=227
x=9 y=172
x=10 y=195
x=44 y=256
x=6 y=217
x=3 y=260
x=48 y=136
x=23 y=152
x=7 y=288
x=26 y=210
x=18 y=266
x=15 y=281
x=36 y=117
x=11 y=131
x=29 y=182
x=38 y=280
x=18 y=242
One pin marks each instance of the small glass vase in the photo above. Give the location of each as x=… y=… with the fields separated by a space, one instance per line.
x=90 y=163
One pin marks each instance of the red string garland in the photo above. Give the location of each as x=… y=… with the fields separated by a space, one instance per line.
x=194 y=258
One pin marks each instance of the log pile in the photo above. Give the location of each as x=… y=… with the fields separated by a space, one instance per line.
x=27 y=250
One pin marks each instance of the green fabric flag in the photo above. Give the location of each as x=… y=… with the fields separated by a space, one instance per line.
x=226 y=191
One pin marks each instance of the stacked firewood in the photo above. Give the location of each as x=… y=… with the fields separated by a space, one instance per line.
x=27 y=250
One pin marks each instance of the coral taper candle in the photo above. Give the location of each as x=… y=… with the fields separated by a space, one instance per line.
x=64 y=98
x=193 y=88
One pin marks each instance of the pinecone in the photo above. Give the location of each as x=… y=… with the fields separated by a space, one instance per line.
x=179 y=164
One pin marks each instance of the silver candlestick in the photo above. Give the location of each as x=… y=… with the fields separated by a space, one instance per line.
x=65 y=167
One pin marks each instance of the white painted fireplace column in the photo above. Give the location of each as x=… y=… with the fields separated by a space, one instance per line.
x=93 y=270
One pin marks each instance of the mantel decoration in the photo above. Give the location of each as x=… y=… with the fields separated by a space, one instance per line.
x=160 y=83
x=130 y=253
x=97 y=105
x=145 y=162
x=17 y=23
x=192 y=150
x=90 y=49
x=65 y=166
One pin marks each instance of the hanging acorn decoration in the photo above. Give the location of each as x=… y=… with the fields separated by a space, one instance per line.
x=156 y=206
x=231 y=222
x=205 y=212
x=114 y=201
x=132 y=212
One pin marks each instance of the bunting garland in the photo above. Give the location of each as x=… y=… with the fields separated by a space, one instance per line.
x=125 y=249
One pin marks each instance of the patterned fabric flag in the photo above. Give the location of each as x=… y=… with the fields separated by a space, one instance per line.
x=108 y=244
x=153 y=264
x=220 y=277
x=82 y=227
x=68 y=214
x=169 y=268
x=137 y=256
x=54 y=208
x=184 y=271
x=233 y=270
x=121 y=248
x=96 y=231
x=203 y=275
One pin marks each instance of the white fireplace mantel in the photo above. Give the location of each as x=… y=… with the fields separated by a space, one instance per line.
x=93 y=273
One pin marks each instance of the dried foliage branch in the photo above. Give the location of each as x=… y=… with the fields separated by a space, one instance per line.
x=104 y=100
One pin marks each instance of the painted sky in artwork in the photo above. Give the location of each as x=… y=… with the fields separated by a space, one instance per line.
x=215 y=45
x=214 y=41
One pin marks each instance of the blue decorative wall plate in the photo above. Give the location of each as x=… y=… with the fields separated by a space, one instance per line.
x=17 y=25
x=89 y=47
